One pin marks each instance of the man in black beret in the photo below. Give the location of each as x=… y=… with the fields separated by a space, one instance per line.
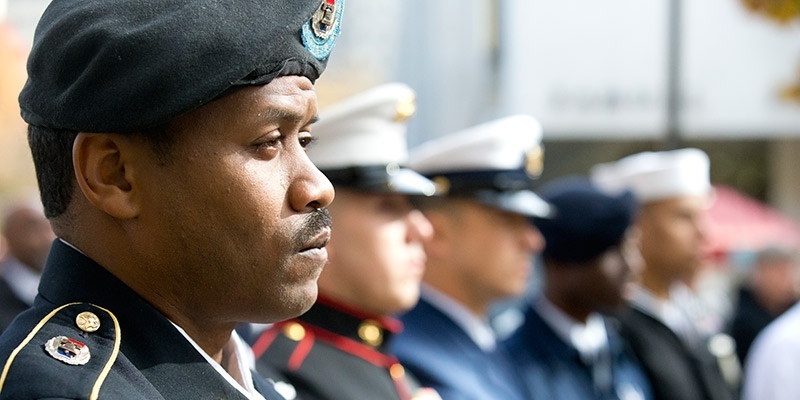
x=169 y=142
x=566 y=349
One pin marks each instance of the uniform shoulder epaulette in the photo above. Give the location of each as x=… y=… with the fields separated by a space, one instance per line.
x=71 y=350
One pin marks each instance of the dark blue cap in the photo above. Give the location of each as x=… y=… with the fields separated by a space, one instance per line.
x=586 y=221
x=127 y=65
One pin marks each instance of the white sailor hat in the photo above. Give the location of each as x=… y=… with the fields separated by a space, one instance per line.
x=362 y=142
x=495 y=163
x=655 y=176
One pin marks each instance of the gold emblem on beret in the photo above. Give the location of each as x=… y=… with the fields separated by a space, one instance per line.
x=323 y=19
x=534 y=161
x=370 y=333
x=294 y=331
x=406 y=107
x=442 y=185
x=87 y=321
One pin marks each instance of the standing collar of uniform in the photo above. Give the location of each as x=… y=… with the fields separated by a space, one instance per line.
x=340 y=320
x=477 y=328
x=390 y=324
x=22 y=280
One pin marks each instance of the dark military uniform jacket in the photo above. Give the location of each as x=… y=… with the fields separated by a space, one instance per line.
x=334 y=352
x=554 y=369
x=675 y=370
x=90 y=336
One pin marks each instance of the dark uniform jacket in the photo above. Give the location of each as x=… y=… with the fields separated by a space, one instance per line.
x=440 y=355
x=89 y=336
x=675 y=370
x=554 y=370
x=334 y=352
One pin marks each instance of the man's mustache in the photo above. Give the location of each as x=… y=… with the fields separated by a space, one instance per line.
x=315 y=222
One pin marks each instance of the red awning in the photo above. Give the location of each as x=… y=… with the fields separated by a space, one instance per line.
x=738 y=222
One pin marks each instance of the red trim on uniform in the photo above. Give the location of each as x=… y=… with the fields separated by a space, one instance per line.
x=351 y=346
x=331 y=2
x=265 y=340
x=301 y=351
x=345 y=344
x=401 y=385
x=364 y=352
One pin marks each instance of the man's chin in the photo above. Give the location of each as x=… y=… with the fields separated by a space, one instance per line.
x=306 y=297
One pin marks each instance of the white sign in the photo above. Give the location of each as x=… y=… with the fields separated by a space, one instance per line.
x=589 y=69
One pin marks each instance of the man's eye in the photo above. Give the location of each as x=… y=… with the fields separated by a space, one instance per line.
x=305 y=142
x=272 y=143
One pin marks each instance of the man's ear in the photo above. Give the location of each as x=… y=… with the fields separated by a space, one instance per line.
x=103 y=173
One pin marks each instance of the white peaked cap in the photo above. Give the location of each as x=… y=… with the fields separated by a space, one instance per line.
x=655 y=176
x=494 y=163
x=497 y=145
x=364 y=130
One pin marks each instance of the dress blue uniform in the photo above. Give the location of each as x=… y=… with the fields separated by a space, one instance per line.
x=553 y=369
x=440 y=354
x=134 y=352
x=445 y=344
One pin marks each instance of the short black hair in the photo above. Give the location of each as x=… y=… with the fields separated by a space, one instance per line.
x=52 y=158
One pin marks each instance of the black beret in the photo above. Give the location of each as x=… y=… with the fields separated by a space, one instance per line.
x=586 y=221
x=126 y=65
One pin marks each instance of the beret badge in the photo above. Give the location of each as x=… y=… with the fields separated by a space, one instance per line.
x=320 y=32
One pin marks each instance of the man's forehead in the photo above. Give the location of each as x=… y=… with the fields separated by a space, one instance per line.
x=258 y=105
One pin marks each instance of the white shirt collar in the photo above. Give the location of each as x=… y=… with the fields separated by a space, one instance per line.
x=588 y=338
x=237 y=344
x=476 y=328
x=23 y=281
x=666 y=311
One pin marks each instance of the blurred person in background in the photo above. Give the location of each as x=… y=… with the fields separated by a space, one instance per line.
x=566 y=348
x=672 y=189
x=772 y=370
x=771 y=288
x=481 y=252
x=28 y=236
x=339 y=348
